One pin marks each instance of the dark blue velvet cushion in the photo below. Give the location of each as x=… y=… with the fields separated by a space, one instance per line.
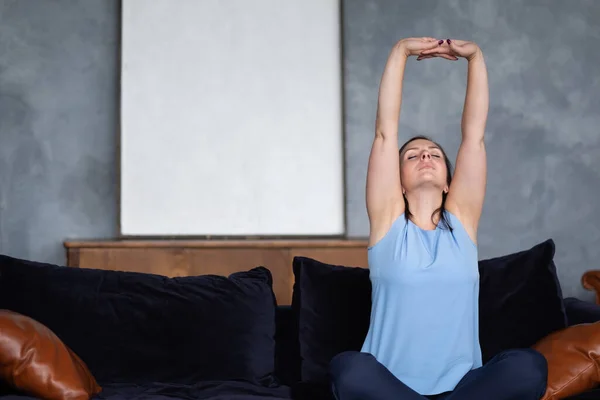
x=520 y=302
x=520 y=299
x=332 y=304
x=581 y=311
x=135 y=328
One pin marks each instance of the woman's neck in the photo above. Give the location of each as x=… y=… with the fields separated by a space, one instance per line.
x=422 y=204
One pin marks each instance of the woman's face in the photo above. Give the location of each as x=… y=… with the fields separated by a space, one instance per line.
x=422 y=164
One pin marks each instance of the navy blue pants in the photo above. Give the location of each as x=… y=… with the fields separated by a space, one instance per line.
x=513 y=374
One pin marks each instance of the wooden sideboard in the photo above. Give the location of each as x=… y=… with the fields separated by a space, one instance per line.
x=198 y=257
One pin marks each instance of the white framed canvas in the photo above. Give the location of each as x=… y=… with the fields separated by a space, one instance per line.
x=231 y=118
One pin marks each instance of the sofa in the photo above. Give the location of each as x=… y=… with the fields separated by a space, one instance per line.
x=74 y=333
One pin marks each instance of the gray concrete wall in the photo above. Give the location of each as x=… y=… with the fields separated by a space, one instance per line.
x=543 y=132
x=58 y=117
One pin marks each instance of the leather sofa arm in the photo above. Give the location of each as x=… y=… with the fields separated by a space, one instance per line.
x=591 y=281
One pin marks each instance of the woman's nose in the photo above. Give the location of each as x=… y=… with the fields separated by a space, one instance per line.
x=425 y=156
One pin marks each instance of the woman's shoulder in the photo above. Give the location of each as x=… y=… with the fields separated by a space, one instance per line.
x=457 y=228
x=396 y=226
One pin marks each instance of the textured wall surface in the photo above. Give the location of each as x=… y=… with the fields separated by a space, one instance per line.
x=543 y=132
x=58 y=103
x=58 y=117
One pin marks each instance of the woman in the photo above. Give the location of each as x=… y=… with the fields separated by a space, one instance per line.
x=423 y=336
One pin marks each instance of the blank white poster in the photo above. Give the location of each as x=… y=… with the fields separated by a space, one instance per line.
x=231 y=118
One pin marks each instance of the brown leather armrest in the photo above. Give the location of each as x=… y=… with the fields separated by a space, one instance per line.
x=591 y=281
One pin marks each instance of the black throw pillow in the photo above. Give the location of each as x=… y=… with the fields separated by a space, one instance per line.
x=520 y=302
x=520 y=299
x=137 y=328
x=332 y=304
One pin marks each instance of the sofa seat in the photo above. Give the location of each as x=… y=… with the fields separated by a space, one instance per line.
x=144 y=336
x=217 y=390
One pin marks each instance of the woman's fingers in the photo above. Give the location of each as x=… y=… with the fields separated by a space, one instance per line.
x=455 y=41
x=444 y=49
x=449 y=57
x=453 y=45
x=424 y=57
x=434 y=55
x=430 y=45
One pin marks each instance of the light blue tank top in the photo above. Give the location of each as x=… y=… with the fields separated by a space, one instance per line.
x=424 y=316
